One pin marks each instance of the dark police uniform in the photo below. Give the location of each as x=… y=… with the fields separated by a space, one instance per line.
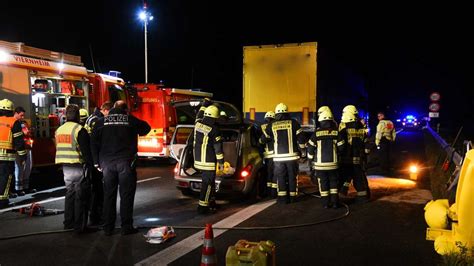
x=114 y=149
x=323 y=148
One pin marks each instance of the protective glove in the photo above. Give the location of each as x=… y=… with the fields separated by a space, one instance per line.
x=98 y=167
x=221 y=167
x=207 y=102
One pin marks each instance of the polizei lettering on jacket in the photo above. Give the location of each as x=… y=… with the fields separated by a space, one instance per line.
x=116 y=119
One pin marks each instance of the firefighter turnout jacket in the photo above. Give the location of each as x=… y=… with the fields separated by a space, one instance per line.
x=207 y=145
x=115 y=136
x=385 y=129
x=285 y=145
x=72 y=144
x=92 y=119
x=355 y=141
x=268 y=145
x=11 y=139
x=324 y=145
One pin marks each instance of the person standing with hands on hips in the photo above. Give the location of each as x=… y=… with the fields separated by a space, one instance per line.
x=114 y=151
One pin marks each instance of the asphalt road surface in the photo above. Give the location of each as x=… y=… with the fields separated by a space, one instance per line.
x=389 y=230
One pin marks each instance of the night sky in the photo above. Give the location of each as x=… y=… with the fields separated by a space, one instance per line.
x=401 y=51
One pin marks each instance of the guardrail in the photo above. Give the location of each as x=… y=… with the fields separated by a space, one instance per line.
x=453 y=156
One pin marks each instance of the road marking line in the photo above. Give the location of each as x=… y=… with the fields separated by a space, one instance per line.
x=185 y=246
x=29 y=204
x=59 y=198
x=149 y=179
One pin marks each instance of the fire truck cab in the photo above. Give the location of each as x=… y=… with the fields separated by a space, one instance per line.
x=154 y=105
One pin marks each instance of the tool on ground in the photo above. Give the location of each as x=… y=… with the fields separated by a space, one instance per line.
x=35 y=209
x=159 y=235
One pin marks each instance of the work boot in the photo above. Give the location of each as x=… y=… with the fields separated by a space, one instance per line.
x=326 y=203
x=4 y=203
x=129 y=231
x=281 y=200
x=202 y=209
x=335 y=201
x=31 y=191
x=361 y=199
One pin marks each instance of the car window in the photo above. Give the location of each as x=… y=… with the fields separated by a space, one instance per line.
x=254 y=136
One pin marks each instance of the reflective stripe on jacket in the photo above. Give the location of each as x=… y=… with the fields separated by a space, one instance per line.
x=11 y=139
x=67 y=147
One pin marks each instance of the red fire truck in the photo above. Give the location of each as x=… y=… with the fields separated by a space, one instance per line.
x=44 y=82
x=154 y=105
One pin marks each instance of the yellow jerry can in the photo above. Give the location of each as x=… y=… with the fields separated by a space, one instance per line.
x=251 y=253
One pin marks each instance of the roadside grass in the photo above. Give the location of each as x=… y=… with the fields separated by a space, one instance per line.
x=438 y=178
x=463 y=258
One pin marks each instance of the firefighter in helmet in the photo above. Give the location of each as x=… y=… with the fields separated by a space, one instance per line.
x=355 y=138
x=289 y=143
x=323 y=148
x=348 y=109
x=208 y=154
x=83 y=114
x=268 y=154
x=11 y=145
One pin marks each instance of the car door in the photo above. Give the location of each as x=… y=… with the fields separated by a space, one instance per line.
x=179 y=140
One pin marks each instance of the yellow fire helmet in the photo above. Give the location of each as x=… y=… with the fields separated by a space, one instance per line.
x=325 y=115
x=83 y=113
x=6 y=105
x=281 y=108
x=348 y=117
x=350 y=109
x=212 y=111
x=223 y=114
x=322 y=109
x=270 y=114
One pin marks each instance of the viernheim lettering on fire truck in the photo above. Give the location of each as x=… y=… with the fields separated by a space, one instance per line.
x=116 y=119
x=31 y=61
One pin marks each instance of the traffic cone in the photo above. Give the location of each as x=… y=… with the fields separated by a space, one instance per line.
x=208 y=252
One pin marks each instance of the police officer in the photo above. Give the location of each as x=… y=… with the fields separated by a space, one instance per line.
x=355 y=139
x=73 y=152
x=288 y=144
x=11 y=145
x=384 y=138
x=114 y=150
x=207 y=150
x=323 y=148
x=268 y=154
x=97 y=190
